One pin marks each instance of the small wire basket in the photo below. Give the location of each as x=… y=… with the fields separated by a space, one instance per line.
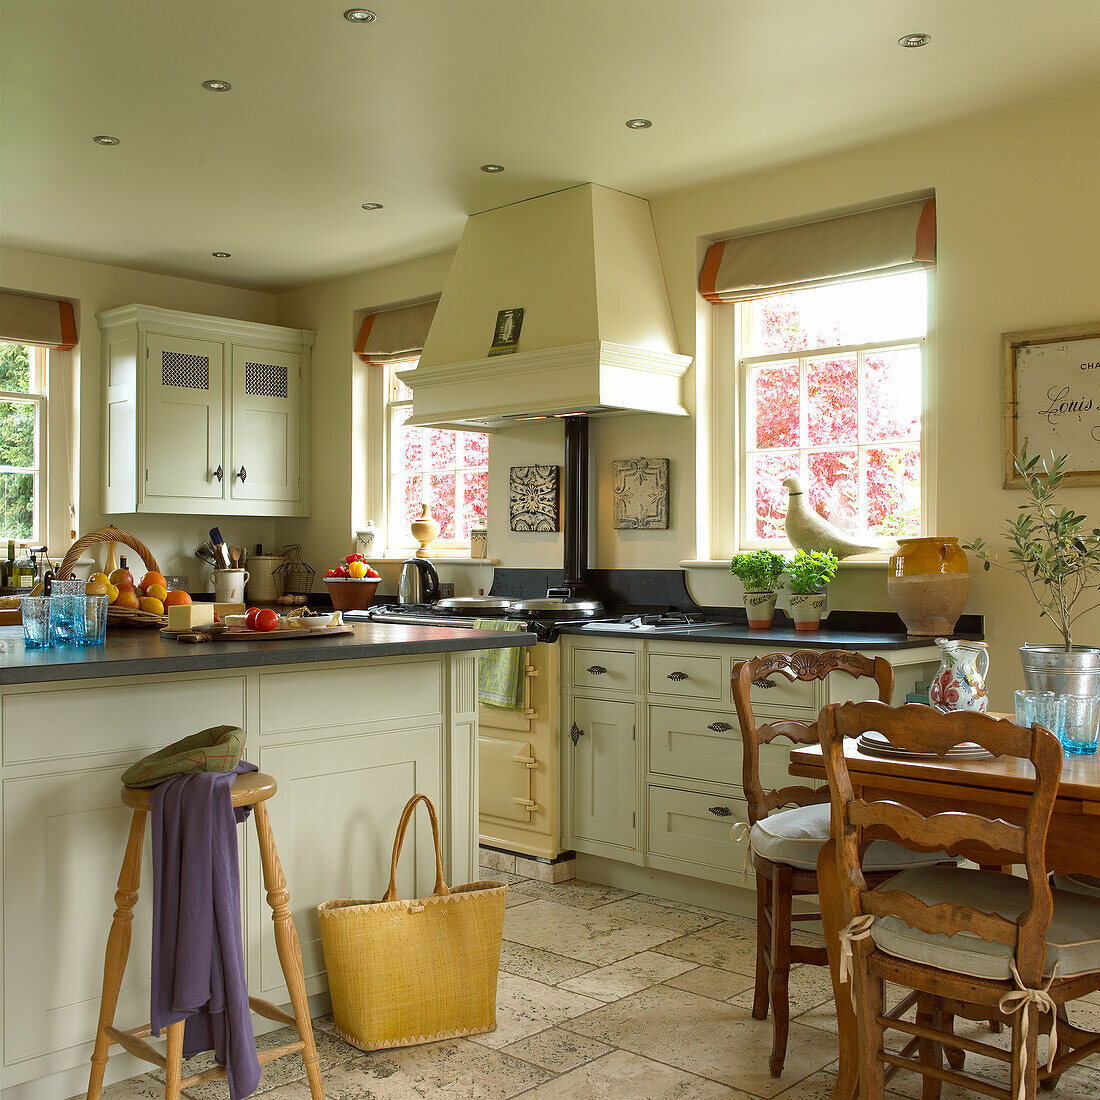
x=294 y=575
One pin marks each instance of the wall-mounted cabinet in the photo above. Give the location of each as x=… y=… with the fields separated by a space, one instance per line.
x=204 y=414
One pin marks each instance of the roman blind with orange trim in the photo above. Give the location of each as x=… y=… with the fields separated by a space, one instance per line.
x=394 y=334
x=876 y=242
x=43 y=322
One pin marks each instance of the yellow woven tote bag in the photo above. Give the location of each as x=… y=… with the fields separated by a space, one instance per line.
x=408 y=972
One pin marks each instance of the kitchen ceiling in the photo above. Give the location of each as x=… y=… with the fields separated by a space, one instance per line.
x=325 y=115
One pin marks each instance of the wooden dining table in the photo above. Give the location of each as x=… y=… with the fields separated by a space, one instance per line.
x=997 y=788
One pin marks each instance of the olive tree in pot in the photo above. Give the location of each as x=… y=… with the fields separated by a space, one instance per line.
x=759 y=571
x=1059 y=557
x=809 y=574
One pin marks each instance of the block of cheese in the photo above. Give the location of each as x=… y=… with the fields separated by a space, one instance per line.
x=189 y=615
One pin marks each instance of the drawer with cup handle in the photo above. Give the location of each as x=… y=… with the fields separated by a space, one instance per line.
x=604 y=669
x=690 y=676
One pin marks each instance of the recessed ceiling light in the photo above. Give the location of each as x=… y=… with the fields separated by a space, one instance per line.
x=372 y=206
x=221 y=255
x=912 y=41
x=217 y=85
x=105 y=139
x=638 y=123
x=359 y=15
x=492 y=168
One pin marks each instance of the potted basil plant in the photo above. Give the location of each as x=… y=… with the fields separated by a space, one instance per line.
x=759 y=572
x=1058 y=555
x=808 y=574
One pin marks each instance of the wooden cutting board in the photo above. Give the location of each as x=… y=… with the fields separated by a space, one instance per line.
x=205 y=634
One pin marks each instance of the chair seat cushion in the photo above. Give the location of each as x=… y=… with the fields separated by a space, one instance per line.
x=1073 y=940
x=1078 y=884
x=794 y=837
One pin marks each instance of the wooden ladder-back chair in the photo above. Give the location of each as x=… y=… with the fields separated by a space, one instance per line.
x=785 y=842
x=977 y=943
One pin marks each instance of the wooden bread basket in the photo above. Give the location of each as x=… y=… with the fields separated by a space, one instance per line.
x=117 y=616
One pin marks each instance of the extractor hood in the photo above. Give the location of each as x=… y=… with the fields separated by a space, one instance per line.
x=596 y=334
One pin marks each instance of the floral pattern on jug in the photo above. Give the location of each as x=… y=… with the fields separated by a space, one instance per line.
x=959 y=683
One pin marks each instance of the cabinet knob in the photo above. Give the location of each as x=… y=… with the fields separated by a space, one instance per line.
x=575 y=734
x=242 y=473
x=720 y=811
x=596 y=670
x=219 y=473
x=720 y=727
x=763 y=683
x=677 y=676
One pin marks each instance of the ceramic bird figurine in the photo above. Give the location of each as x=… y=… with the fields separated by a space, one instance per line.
x=808 y=531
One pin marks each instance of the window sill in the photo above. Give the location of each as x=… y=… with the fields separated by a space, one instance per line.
x=861 y=561
x=442 y=558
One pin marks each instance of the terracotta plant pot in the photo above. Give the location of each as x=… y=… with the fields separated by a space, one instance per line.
x=929 y=584
x=806 y=609
x=759 y=607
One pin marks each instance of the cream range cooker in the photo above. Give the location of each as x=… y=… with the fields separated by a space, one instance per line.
x=518 y=750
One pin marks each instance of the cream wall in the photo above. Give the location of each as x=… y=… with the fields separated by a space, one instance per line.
x=1018 y=240
x=95 y=287
x=344 y=495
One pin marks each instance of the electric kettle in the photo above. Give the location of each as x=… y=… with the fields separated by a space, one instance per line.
x=419 y=582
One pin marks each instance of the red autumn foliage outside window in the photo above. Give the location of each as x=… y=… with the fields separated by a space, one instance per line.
x=448 y=471
x=847 y=421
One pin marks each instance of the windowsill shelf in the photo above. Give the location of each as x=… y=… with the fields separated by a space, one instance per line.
x=441 y=557
x=862 y=561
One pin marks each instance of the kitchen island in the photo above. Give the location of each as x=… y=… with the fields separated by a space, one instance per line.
x=350 y=726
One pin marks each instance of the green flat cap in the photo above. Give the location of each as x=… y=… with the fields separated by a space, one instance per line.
x=217 y=749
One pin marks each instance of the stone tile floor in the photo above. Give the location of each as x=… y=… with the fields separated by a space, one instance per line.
x=606 y=994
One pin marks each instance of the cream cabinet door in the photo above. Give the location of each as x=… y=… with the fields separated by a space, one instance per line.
x=64 y=837
x=265 y=430
x=604 y=782
x=184 y=457
x=334 y=818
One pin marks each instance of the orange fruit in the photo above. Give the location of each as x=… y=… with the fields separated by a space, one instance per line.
x=174 y=599
x=127 y=597
x=150 y=603
x=157 y=591
x=151 y=578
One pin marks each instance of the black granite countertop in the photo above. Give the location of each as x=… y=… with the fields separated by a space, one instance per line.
x=779 y=637
x=840 y=630
x=146 y=653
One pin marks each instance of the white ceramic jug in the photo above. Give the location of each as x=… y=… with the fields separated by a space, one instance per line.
x=959 y=683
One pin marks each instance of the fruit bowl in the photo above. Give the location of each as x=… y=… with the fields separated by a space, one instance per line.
x=352 y=595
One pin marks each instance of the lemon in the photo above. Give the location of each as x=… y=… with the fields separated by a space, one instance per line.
x=101 y=578
x=112 y=593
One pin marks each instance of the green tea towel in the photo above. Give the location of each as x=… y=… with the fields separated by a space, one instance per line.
x=217 y=749
x=500 y=672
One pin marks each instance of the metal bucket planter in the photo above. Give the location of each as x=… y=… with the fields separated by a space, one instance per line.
x=1051 y=668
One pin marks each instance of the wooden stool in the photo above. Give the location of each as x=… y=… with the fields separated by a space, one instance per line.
x=252 y=789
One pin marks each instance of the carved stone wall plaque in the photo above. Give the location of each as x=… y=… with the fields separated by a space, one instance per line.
x=640 y=493
x=533 y=498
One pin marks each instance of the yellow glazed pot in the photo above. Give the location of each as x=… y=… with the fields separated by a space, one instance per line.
x=929 y=584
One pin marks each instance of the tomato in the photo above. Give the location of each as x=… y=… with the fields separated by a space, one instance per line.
x=250 y=617
x=330 y=573
x=373 y=573
x=267 y=620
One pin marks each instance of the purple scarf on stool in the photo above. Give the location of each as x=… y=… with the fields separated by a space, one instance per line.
x=198 y=956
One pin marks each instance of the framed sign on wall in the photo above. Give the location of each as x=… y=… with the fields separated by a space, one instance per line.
x=1052 y=399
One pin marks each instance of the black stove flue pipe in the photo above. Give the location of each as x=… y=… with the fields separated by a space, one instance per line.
x=575 y=507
